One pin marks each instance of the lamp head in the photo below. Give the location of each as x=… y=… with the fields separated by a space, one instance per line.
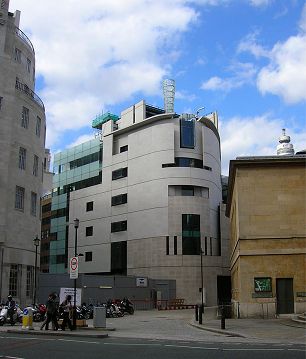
x=36 y=241
x=76 y=223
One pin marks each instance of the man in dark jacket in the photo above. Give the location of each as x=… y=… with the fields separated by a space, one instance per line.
x=11 y=307
x=51 y=312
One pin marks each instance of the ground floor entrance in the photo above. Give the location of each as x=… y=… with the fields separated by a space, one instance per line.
x=284 y=296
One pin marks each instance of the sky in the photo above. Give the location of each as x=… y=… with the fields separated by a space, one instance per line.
x=245 y=59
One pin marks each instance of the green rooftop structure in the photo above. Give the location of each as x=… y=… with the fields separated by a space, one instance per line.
x=103 y=118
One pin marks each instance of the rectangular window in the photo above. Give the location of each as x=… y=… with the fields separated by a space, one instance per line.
x=88 y=256
x=17 y=55
x=187 y=133
x=1 y=100
x=120 y=173
x=33 y=203
x=187 y=191
x=28 y=65
x=38 y=126
x=35 y=165
x=175 y=246
x=167 y=245
x=89 y=206
x=119 y=258
x=22 y=158
x=124 y=148
x=119 y=226
x=89 y=231
x=25 y=117
x=191 y=237
x=13 y=280
x=29 y=284
x=120 y=199
x=19 y=198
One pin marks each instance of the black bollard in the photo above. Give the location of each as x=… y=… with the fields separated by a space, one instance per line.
x=222 y=317
x=196 y=313
x=200 y=314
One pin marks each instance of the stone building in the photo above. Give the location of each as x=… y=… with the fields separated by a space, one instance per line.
x=267 y=211
x=159 y=203
x=22 y=141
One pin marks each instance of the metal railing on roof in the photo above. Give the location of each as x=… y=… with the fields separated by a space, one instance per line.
x=22 y=36
x=24 y=88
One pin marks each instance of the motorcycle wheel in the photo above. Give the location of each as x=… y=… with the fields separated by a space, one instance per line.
x=1 y=323
x=131 y=310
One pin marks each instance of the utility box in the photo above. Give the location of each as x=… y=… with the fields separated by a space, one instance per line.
x=99 y=317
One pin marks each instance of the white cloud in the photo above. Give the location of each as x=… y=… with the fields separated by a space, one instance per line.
x=249 y=44
x=243 y=73
x=255 y=136
x=260 y=2
x=285 y=75
x=93 y=55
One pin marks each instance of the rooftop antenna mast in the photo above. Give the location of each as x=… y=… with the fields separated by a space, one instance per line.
x=169 y=94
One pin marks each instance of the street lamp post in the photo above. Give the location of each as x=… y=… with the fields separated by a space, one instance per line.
x=76 y=226
x=36 y=241
x=202 y=285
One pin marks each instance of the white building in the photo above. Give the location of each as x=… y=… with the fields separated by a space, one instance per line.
x=159 y=203
x=22 y=140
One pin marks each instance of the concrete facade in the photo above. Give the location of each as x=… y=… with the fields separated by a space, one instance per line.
x=22 y=140
x=149 y=148
x=267 y=210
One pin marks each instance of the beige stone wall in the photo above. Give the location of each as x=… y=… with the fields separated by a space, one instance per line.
x=268 y=226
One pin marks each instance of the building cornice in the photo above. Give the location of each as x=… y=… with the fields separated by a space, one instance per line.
x=259 y=161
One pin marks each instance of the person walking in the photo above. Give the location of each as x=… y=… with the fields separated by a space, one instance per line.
x=11 y=307
x=67 y=310
x=51 y=312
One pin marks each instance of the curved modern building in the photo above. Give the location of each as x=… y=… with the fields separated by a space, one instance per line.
x=22 y=141
x=159 y=204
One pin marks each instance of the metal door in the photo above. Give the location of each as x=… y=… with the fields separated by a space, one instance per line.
x=284 y=295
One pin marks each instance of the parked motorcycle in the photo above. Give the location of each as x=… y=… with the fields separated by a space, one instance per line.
x=127 y=306
x=5 y=319
x=39 y=312
x=113 y=310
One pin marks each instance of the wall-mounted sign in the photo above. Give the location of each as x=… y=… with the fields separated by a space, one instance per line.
x=141 y=282
x=263 y=284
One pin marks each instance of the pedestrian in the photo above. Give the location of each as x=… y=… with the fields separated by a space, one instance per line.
x=11 y=306
x=67 y=310
x=51 y=312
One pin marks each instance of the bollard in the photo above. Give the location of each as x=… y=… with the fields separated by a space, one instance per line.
x=222 y=317
x=196 y=313
x=27 y=319
x=200 y=314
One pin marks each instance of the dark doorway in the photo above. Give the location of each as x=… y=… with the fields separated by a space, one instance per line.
x=284 y=295
x=224 y=292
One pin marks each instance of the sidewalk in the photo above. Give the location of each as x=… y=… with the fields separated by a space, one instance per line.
x=181 y=325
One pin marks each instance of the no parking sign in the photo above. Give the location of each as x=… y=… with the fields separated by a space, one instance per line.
x=74 y=267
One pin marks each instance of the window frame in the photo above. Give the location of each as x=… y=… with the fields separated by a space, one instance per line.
x=119 y=199
x=35 y=165
x=119 y=173
x=119 y=226
x=22 y=158
x=33 y=204
x=88 y=256
x=89 y=206
x=89 y=231
x=25 y=117
x=19 y=198
x=38 y=126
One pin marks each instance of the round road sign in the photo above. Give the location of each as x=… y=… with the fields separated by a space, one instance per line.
x=74 y=263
